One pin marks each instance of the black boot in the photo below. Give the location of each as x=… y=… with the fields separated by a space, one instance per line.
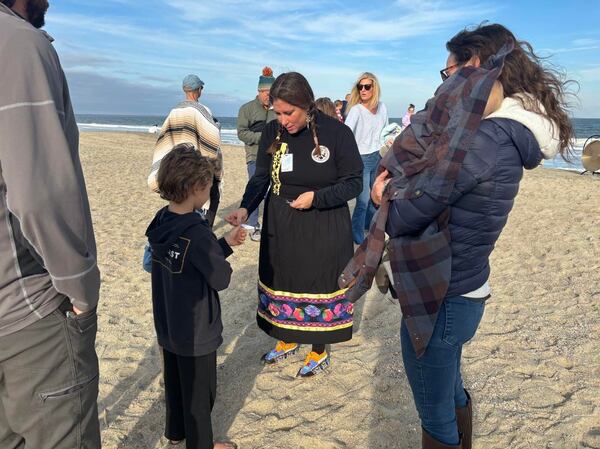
x=428 y=442
x=464 y=421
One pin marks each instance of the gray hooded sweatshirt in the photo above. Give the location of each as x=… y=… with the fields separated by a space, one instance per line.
x=47 y=247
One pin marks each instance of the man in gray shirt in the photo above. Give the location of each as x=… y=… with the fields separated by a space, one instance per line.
x=49 y=280
x=252 y=118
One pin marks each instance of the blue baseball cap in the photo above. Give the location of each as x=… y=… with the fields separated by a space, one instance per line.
x=192 y=82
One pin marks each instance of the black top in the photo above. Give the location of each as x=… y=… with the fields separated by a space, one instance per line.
x=335 y=181
x=188 y=269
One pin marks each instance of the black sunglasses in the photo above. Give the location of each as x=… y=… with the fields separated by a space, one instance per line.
x=444 y=72
x=364 y=86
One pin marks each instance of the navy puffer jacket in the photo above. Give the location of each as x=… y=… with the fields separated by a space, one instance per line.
x=483 y=196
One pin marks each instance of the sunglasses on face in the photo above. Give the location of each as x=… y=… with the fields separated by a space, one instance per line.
x=445 y=73
x=364 y=86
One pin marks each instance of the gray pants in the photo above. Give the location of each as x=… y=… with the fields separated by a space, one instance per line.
x=49 y=384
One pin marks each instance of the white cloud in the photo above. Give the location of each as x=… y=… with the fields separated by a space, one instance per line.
x=586 y=42
x=589 y=74
x=311 y=21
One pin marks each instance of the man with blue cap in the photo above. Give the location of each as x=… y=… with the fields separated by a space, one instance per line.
x=191 y=122
x=192 y=83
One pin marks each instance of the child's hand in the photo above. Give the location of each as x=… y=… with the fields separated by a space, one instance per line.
x=237 y=217
x=236 y=236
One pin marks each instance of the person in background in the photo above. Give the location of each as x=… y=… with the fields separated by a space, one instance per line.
x=345 y=108
x=191 y=122
x=406 y=118
x=49 y=278
x=310 y=165
x=367 y=118
x=326 y=106
x=339 y=105
x=252 y=119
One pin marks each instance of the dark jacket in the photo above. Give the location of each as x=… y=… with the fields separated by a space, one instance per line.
x=482 y=199
x=188 y=269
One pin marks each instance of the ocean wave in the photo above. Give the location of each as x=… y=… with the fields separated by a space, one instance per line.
x=115 y=127
x=228 y=136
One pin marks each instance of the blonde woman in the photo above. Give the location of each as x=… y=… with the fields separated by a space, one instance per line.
x=367 y=118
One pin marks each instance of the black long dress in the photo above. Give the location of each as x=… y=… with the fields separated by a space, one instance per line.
x=302 y=252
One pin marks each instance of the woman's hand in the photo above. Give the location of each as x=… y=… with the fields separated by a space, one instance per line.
x=237 y=217
x=378 y=186
x=304 y=201
x=236 y=236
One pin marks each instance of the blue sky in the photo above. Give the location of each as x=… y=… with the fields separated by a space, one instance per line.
x=129 y=57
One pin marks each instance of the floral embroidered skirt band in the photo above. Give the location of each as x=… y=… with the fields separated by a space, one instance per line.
x=302 y=254
x=297 y=318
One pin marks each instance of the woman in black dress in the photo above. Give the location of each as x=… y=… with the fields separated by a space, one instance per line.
x=312 y=165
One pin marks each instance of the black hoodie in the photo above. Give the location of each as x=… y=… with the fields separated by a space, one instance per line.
x=188 y=269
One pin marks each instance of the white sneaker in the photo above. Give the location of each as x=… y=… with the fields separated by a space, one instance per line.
x=255 y=235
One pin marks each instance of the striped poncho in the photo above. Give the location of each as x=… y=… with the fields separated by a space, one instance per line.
x=188 y=122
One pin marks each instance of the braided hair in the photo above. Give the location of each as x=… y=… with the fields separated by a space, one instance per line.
x=293 y=88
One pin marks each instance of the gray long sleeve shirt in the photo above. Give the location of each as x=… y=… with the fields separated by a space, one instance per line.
x=47 y=246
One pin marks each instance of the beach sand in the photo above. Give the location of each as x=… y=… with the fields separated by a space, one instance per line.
x=533 y=368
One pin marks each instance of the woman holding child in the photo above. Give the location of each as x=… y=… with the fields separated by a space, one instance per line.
x=451 y=182
x=312 y=165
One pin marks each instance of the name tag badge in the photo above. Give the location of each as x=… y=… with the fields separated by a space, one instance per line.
x=287 y=163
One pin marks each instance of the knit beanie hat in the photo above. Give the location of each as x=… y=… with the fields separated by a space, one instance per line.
x=266 y=79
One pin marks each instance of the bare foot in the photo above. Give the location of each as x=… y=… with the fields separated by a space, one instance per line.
x=225 y=445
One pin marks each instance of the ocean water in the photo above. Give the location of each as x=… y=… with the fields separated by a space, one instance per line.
x=584 y=128
x=146 y=124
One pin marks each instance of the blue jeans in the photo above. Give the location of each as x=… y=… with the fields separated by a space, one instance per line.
x=253 y=218
x=435 y=378
x=365 y=209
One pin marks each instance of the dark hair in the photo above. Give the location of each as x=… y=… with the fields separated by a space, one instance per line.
x=523 y=72
x=294 y=89
x=8 y=3
x=326 y=106
x=182 y=170
x=410 y=105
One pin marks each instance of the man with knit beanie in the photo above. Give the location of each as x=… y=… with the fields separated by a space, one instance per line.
x=252 y=118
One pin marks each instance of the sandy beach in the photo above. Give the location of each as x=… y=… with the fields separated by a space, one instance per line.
x=533 y=368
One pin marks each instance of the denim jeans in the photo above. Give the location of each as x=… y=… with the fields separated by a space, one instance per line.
x=253 y=218
x=435 y=378
x=365 y=209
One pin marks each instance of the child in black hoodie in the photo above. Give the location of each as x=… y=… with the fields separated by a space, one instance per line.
x=188 y=269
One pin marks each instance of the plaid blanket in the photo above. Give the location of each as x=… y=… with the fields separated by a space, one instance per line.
x=425 y=158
